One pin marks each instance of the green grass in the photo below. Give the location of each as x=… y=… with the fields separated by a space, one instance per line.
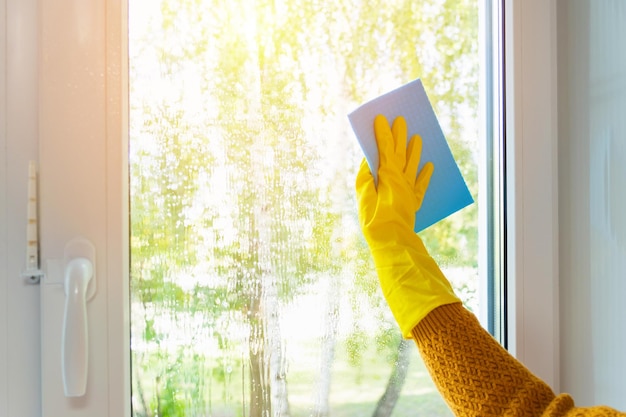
x=356 y=386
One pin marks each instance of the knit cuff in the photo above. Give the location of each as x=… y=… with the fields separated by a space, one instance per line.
x=437 y=319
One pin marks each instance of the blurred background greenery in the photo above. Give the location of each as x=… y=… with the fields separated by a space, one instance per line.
x=253 y=293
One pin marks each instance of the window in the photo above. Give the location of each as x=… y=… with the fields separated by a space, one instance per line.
x=251 y=288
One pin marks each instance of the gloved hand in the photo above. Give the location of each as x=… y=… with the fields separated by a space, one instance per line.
x=411 y=281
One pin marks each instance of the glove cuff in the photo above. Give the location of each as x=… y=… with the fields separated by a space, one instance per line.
x=411 y=281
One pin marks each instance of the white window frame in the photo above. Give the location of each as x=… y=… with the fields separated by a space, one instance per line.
x=532 y=198
x=83 y=153
x=532 y=186
x=19 y=309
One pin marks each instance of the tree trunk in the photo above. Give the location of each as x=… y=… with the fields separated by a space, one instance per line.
x=276 y=354
x=259 y=381
x=389 y=399
x=327 y=355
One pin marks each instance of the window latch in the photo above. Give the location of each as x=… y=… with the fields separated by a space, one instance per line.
x=32 y=273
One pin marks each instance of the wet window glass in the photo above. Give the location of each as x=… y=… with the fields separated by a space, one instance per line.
x=252 y=289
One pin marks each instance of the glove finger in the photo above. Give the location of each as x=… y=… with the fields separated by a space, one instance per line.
x=399 y=133
x=413 y=156
x=384 y=141
x=422 y=182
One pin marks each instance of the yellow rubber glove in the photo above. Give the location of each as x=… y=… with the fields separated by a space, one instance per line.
x=410 y=279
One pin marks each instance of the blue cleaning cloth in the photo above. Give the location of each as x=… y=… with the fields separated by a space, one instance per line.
x=447 y=192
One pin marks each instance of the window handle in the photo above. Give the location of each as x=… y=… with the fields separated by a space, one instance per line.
x=78 y=273
x=79 y=284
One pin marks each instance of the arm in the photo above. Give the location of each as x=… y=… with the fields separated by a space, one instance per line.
x=475 y=375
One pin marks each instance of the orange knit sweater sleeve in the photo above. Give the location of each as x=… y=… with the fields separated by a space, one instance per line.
x=477 y=377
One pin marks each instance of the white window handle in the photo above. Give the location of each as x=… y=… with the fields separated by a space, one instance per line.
x=78 y=273
x=79 y=284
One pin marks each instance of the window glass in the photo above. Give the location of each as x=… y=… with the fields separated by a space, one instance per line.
x=252 y=289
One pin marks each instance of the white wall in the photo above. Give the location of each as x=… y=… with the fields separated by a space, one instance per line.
x=592 y=199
